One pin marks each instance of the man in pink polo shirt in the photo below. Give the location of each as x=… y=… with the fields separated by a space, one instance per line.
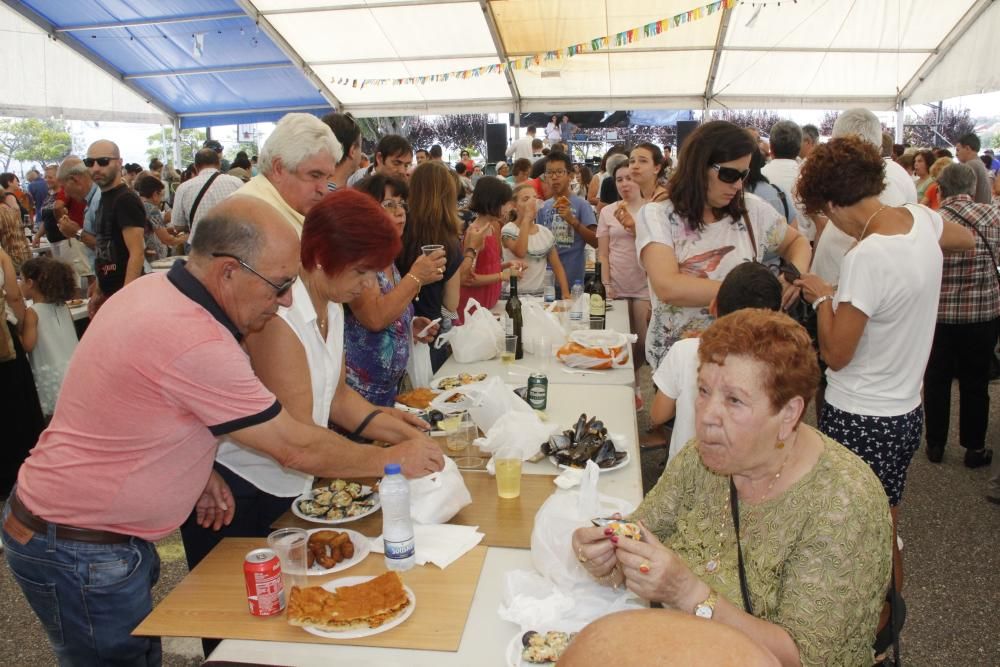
x=159 y=375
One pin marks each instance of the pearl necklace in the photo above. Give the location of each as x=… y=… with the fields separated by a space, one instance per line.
x=713 y=562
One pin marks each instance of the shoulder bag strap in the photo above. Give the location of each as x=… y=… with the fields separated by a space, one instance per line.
x=201 y=193
x=753 y=239
x=784 y=200
x=734 y=507
x=980 y=235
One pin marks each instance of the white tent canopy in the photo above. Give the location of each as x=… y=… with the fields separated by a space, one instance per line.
x=805 y=54
x=796 y=54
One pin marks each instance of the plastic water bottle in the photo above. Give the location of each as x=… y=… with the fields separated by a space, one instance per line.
x=576 y=306
x=550 y=285
x=397 y=526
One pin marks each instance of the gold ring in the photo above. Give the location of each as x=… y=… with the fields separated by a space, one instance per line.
x=644 y=567
x=580 y=557
x=440 y=270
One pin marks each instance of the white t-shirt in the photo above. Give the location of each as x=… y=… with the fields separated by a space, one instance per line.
x=677 y=377
x=540 y=243
x=710 y=253
x=783 y=173
x=325 y=359
x=895 y=281
x=833 y=244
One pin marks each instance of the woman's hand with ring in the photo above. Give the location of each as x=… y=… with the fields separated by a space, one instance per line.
x=429 y=268
x=654 y=572
x=594 y=551
x=813 y=287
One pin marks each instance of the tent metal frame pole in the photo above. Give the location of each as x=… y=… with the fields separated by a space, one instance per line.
x=135 y=23
x=177 y=143
x=208 y=70
x=713 y=70
x=900 y=119
x=491 y=23
x=261 y=20
x=939 y=54
x=91 y=57
x=334 y=8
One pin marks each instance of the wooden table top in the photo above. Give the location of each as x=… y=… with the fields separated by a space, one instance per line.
x=505 y=522
x=211 y=602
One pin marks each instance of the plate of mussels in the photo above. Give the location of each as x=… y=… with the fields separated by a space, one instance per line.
x=537 y=648
x=588 y=440
x=339 y=501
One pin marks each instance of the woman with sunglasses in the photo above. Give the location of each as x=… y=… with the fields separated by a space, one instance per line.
x=299 y=356
x=705 y=227
x=378 y=324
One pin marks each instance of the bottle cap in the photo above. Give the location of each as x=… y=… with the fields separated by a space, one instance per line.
x=392 y=469
x=577 y=282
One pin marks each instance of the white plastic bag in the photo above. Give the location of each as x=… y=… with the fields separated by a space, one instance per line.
x=596 y=349
x=557 y=518
x=439 y=496
x=540 y=324
x=486 y=401
x=418 y=366
x=523 y=431
x=478 y=338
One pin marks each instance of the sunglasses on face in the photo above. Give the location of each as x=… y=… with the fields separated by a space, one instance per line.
x=281 y=289
x=730 y=175
x=88 y=162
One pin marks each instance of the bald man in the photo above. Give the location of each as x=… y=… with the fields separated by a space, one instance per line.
x=119 y=224
x=128 y=455
x=649 y=637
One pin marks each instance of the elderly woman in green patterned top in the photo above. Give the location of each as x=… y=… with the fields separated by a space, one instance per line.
x=813 y=532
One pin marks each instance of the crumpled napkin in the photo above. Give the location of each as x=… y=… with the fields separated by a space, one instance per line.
x=441 y=544
x=533 y=602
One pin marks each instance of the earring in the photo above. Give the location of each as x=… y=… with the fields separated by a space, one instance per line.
x=780 y=444
x=319 y=266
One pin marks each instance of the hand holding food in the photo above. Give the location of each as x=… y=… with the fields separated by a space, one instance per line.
x=654 y=572
x=623 y=216
x=595 y=551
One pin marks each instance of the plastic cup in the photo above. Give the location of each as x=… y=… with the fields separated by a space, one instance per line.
x=509 y=351
x=597 y=323
x=431 y=249
x=290 y=545
x=468 y=457
x=508 y=469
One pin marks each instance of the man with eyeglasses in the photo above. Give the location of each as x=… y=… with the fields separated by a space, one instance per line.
x=569 y=217
x=296 y=162
x=120 y=222
x=111 y=476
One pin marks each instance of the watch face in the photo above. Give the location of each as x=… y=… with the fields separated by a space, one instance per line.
x=703 y=611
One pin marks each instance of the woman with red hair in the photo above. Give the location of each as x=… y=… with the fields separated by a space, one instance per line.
x=299 y=355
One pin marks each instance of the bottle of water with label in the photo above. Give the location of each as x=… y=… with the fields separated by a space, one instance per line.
x=397 y=526
x=550 y=285
x=576 y=306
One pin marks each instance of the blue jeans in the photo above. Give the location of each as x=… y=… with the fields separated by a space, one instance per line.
x=89 y=597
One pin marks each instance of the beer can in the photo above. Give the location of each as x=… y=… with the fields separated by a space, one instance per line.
x=265 y=592
x=538 y=391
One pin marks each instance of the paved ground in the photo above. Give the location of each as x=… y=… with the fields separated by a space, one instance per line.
x=952 y=564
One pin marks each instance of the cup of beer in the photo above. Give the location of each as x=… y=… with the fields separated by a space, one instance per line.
x=507 y=461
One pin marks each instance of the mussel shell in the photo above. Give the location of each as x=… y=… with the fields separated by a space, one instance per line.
x=526 y=637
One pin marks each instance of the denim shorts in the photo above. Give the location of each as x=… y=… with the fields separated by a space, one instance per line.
x=89 y=597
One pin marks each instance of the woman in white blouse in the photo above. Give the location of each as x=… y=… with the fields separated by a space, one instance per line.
x=299 y=355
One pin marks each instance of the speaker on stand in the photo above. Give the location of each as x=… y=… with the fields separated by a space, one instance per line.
x=496 y=142
x=684 y=128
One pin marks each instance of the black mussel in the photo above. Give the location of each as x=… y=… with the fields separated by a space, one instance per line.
x=556 y=443
x=580 y=427
x=433 y=417
x=606 y=454
x=526 y=638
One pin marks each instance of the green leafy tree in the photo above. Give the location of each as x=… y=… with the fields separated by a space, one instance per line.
x=993 y=141
x=191 y=142
x=458 y=131
x=826 y=124
x=249 y=147
x=33 y=140
x=761 y=120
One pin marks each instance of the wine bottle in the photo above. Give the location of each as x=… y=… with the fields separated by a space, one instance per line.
x=513 y=310
x=598 y=295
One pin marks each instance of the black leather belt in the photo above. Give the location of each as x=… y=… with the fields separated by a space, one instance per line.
x=41 y=527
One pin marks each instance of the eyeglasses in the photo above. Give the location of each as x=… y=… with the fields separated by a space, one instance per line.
x=281 y=289
x=392 y=205
x=730 y=175
x=556 y=172
x=88 y=162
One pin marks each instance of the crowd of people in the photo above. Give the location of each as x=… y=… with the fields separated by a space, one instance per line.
x=206 y=397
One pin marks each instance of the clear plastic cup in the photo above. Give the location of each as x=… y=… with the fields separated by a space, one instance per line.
x=507 y=462
x=290 y=545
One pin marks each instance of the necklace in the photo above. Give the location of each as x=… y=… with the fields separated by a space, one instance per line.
x=868 y=221
x=712 y=564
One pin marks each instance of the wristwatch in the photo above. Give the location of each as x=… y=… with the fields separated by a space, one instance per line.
x=706 y=609
x=818 y=301
x=79 y=235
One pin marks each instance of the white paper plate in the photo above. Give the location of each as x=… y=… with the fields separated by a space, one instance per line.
x=332 y=522
x=363 y=632
x=618 y=466
x=362 y=547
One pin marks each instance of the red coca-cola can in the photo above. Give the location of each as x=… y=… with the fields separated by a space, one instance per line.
x=265 y=592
